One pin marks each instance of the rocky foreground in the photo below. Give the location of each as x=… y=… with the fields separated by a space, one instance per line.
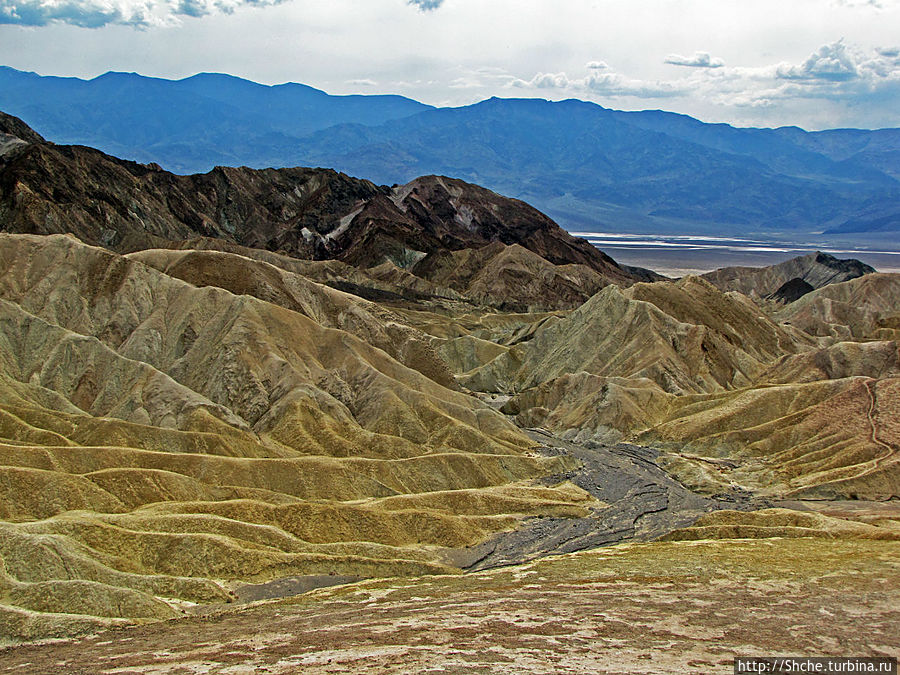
x=685 y=607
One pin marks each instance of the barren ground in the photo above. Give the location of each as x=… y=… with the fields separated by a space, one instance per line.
x=634 y=608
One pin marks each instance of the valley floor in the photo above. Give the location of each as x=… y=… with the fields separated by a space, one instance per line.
x=679 y=255
x=663 y=607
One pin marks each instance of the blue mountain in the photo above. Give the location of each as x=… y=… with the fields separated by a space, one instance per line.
x=590 y=166
x=586 y=165
x=185 y=125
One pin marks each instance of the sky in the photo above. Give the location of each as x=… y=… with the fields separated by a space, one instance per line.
x=811 y=63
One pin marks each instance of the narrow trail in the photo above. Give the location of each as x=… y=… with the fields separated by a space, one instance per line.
x=870 y=415
x=871 y=465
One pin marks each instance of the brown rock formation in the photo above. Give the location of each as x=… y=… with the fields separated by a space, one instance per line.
x=312 y=214
x=815 y=270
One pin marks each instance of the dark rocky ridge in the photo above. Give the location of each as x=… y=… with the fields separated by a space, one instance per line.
x=572 y=159
x=13 y=126
x=305 y=213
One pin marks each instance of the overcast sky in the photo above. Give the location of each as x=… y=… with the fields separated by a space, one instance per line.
x=813 y=63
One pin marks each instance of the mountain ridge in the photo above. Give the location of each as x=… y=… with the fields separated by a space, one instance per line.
x=639 y=170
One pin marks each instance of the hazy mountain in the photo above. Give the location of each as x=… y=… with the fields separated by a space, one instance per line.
x=580 y=162
x=588 y=165
x=190 y=124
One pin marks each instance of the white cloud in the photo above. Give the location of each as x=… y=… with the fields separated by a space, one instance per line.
x=87 y=14
x=838 y=71
x=600 y=80
x=833 y=62
x=481 y=79
x=698 y=60
x=836 y=74
x=841 y=74
x=98 y=13
x=615 y=84
x=546 y=81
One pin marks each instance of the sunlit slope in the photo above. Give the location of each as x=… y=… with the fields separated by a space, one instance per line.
x=512 y=276
x=825 y=439
x=820 y=424
x=162 y=442
x=735 y=397
x=866 y=308
x=685 y=336
x=787 y=523
x=331 y=308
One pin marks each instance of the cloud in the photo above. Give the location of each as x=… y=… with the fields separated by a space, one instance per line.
x=425 y=5
x=483 y=78
x=833 y=62
x=364 y=82
x=698 y=60
x=601 y=80
x=546 y=81
x=98 y=13
x=615 y=84
x=836 y=72
x=87 y=14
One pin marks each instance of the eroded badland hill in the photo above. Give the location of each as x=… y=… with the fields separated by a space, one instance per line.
x=219 y=391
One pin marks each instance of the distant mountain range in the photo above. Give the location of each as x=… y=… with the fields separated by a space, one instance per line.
x=583 y=164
